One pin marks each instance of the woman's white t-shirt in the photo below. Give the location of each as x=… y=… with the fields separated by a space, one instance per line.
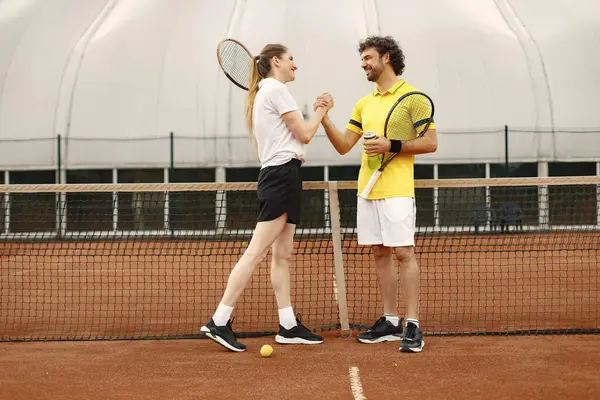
x=276 y=143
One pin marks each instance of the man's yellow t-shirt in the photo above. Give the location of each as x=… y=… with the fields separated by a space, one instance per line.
x=369 y=114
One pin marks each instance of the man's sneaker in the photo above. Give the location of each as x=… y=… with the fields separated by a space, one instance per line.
x=223 y=335
x=401 y=334
x=382 y=331
x=413 y=339
x=299 y=334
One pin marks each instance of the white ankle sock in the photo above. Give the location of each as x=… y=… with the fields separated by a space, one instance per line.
x=287 y=318
x=413 y=321
x=222 y=314
x=392 y=318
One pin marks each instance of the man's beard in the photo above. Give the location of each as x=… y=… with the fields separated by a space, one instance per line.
x=373 y=75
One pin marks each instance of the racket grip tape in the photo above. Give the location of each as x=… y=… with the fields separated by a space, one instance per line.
x=365 y=193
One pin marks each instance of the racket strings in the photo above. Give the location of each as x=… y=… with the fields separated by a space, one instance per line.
x=235 y=61
x=400 y=125
x=410 y=118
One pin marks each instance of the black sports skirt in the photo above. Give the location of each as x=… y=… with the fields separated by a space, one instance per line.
x=280 y=191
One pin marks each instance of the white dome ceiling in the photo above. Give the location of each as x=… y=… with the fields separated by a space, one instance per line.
x=133 y=70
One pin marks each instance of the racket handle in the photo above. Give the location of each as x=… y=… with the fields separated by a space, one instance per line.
x=365 y=193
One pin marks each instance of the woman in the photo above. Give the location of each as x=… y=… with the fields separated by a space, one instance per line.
x=281 y=134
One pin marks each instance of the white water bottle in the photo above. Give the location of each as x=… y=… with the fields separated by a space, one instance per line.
x=373 y=161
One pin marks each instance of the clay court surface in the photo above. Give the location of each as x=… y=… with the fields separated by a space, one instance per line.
x=473 y=367
x=87 y=290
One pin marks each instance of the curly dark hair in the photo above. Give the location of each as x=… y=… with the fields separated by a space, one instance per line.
x=383 y=45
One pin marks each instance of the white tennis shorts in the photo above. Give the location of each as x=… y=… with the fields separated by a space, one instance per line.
x=388 y=222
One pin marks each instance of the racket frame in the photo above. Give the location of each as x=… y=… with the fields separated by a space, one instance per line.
x=367 y=190
x=241 y=86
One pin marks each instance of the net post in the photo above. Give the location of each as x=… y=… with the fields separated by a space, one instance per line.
x=338 y=260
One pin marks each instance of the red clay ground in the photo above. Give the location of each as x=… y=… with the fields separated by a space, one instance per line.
x=132 y=289
x=491 y=367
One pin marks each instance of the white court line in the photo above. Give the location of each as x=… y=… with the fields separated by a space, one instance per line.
x=355 y=385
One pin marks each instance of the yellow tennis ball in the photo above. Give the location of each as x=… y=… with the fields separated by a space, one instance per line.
x=266 y=350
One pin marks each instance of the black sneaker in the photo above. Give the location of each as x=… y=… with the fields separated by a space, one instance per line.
x=299 y=334
x=402 y=333
x=382 y=331
x=413 y=339
x=223 y=335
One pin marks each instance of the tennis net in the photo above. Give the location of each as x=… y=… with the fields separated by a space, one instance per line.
x=133 y=261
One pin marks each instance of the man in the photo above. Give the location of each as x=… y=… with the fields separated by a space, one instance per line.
x=386 y=220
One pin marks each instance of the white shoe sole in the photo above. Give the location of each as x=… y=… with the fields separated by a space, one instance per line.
x=413 y=350
x=282 y=340
x=386 y=338
x=220 y=341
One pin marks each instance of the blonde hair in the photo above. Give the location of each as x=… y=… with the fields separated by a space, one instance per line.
x=260 y=66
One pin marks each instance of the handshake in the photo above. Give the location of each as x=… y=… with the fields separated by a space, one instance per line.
x=325 y=100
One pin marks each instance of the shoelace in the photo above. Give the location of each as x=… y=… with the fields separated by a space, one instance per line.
x=411 y=331
x=299 y=323
x=230 y=328
x=377 y=324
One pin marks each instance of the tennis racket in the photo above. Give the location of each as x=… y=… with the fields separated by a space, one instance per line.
x=408 y=119
x=235 y=60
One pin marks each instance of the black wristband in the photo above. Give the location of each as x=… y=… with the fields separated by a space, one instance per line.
x=396 y=146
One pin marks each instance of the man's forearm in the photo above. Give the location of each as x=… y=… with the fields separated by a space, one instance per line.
x=422 y=145
x=337 y=138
